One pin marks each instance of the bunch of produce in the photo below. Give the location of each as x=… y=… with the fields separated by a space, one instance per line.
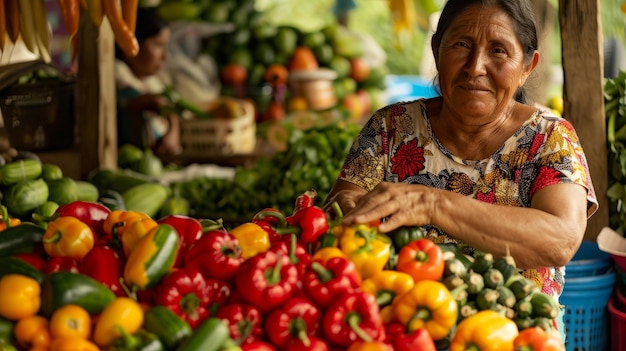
x=25 y=19
x=615 y=112
x=122 y=280
x=256 y=58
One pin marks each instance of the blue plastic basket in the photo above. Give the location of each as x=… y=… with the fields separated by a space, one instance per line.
x=586 y=318
x=589 y=260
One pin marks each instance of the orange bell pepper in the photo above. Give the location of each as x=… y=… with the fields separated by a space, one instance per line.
x=115 y=224
x=20 y=296
x=70 y=321
x=123 y=315
x=538 y=339
x=68 y=236
x=422 y=259
x=32 y=332
x=72 y=343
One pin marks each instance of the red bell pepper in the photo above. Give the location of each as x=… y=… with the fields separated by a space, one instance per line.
x=325 y=281
x=189 y=230
x=91 y=213
x=419 y=339
x=267 y=280
x=245 y=322
x=34 y=259
x=314 y=344
x=186 y=292
x=274 y=223
x=105 y=265
x=353 y=317
x=61 y=263
x=305 y=200
x=313 y=223
x=297 y=253
x=216 y=255
x=258 y=346
x=298 y=318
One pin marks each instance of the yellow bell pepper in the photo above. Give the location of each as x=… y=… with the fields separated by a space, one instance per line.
x=368 y=249
x=252 y=238
x=116 y=222
x=32 y=332
x=72 y=343
x=70 y=321
x=134 y=231
x=387 y=285
x=68 y=236
x=326 y=253
x=486 y=330
x=20 y=296
x=429 y=305
x=122 y=315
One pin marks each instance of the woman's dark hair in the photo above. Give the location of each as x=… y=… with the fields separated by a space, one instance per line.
x=149 y=24
x=519 y=11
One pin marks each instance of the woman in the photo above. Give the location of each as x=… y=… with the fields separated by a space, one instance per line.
x=476 y=165
x=140 y=88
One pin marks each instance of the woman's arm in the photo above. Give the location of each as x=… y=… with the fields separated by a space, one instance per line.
x=547 y=234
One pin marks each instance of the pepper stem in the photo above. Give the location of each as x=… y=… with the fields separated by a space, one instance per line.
x=297 y=328
x=323 y=274
x=292 y=249
x=56 y=237
x=338 y=215
x=353 y=319
x=130 y=342
x=384 y=298
x=209 y=224
x=5 y=216
x=273 y=274
x=131 y=293
x=190 y=303
x=422 y=314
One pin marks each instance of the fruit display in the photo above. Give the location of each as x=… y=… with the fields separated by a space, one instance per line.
x=257 y=57
x=123 y=280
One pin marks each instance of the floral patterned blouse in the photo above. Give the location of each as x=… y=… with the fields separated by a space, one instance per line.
x=398 y=145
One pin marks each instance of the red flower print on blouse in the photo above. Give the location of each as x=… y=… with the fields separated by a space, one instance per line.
x=408 y=160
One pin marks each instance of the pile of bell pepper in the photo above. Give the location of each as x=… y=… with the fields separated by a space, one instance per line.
x=95 y=279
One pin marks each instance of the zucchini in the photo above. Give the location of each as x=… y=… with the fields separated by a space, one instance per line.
x=18 y=171
x=493 y=278
x=210 y=335
x=543 y=323
x=169 y=327
x=25 y=237
x=147 y=198
x=63 y=288
x=452 y=281
x=523 y=308
x=475 y=282
x=544 y=305
x=482 y=262
x=26 y=196
x=15 y=265
x=86 y=191
x=522 y=287
x=487 y=299
x=453 y=266
x=524 y=322
x=508 y=270
x=469 y=309
x=63 y=191
x=506 y=298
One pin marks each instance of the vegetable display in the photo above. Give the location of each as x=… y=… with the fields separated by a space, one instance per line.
x=250 y=288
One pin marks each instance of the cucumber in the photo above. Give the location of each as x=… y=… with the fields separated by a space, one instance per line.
x=169 y=327
x=63 y=191
x=210 y=335
x=86 y=191
x=147 y=198
x=22 y=238
x=18 y=171
x=24 y=197
x=15 y=265
x=64 y=288
x=508 y=270
x=50 y=171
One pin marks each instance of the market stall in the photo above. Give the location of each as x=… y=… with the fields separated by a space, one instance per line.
x=222 y=249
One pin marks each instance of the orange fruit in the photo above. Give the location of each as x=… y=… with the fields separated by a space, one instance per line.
x=234 y=74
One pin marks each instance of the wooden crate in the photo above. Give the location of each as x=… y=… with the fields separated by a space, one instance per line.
x=219 y=136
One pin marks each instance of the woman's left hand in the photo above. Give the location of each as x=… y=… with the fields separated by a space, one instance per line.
x=400 y=204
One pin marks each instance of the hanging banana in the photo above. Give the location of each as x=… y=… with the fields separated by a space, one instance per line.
x=27 y=26
x=12 y=16
x=408 y=16
x=41 y=29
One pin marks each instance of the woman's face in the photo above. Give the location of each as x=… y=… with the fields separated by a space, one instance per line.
x=481 y=62
x=152 y=54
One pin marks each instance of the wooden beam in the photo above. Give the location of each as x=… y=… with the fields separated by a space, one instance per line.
x=583 y=72
x=95 y=97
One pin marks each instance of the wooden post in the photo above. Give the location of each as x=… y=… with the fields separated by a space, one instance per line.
x=583 y=72
x=95 y=97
